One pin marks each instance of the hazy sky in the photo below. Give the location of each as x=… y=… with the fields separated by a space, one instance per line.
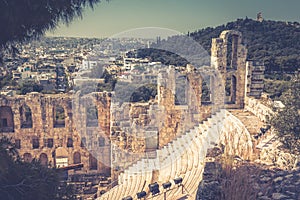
x=115 y=16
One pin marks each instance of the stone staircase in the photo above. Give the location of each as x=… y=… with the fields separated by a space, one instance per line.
x=183 y=157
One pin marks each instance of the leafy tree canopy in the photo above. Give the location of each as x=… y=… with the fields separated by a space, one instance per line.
x=286 y=121
x=27 y=181
x=274 y=42
x=28 y=19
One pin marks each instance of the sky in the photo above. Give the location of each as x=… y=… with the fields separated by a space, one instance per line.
x=113 y=17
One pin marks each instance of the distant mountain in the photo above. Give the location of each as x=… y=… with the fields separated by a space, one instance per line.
x=274 y=42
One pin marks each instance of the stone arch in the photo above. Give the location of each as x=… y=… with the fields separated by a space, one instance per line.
x=230 y=89
x=58 y=117
x=233 y=88
x=181 y=90
x=35 y=142
x=232 y=39
x=43 y=159
x=27 y=157
x=70 y=142
x=76 y=158
x=25 y=116
x=83 y=142
x=206 y=89
x=6 y=119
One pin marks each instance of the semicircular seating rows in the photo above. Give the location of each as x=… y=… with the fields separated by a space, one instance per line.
x=183 y=157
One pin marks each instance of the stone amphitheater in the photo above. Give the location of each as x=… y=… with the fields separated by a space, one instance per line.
x=140 y=160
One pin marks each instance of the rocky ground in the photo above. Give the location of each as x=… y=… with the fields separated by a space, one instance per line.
x=231 y=178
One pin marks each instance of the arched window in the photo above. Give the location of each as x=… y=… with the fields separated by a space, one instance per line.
x=233 y=89
x=232 y=50
x=206 y=90
x=83 y=142
x=58 y=117
x=70 y=142
x=25 y=117
x=27 y=157
x=77 y=158
x=6 y=119
x=18 y=143
x=35 y=143
x=181 y=89
x=43 y=159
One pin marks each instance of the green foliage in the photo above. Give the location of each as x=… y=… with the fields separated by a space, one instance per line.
x=109 y=82
x=165 y=57
x=275 y=87
x=133 y=92
x=274 y=42
x=6 y=80
x=23 y=20
x=144 y=93
x=27 y=181
x=286 y=121
x=29 y=86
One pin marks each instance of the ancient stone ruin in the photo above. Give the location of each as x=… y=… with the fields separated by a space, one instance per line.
x=141 y=143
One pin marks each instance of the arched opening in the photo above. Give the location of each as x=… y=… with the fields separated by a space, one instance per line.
x=93 y=162
x=49 y=142
x=70 y=142
x=58 y=117
x=228 y=89
x=25 y=117
x=27 y=157
x=180 y=90
x=6 y=119
x=83 y=142
x=77 y=158
x=35 y=142
x=206 y=90
x=43 y=159
x=232 y=50
x=91 y=116
x=18 y=143
x=233 y=89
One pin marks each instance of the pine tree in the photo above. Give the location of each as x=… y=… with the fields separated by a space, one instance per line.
x=22 y=20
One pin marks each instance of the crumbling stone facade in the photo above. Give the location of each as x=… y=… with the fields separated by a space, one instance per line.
x=226 y=83
x=232 y=66
x=67 y=129
x=54 y=129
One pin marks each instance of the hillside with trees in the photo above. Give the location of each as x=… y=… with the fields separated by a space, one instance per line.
x=274 y=42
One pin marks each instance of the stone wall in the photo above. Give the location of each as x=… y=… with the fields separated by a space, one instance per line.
x=235 y=138
x=233 y=69
x=259 y=109
x=53 y=135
